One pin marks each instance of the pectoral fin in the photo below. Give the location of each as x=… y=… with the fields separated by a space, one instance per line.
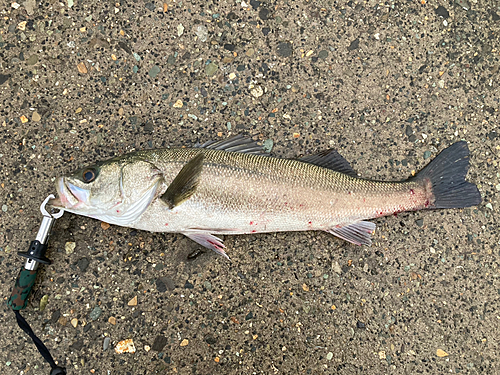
x=357 y=233
x=185 y=183
x=209 y=241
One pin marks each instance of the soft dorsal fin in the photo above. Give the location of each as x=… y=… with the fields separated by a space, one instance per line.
x=185 y=183
x=330 y=159
x=236 y=143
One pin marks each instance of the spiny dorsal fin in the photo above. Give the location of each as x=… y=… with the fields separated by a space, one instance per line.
x=236 y=143
x=185 y=183
x=330 y=159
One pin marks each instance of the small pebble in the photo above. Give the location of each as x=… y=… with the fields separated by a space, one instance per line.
x=133 y=302
x=43 y=302
x=70 y=247
x=33 y=59
x=125 y=346
x=336 y=267
x=36 y=117
x=257 y=92
x=154 y=71
x=427 y=155
x=96 y=313
x=329 y=356
x=211 y=69
x=442 y=12
x=441 y=353
x=112 y=320
x=323 y=54
x=4 y=208
x=184 y=342
x=268 y=145
x=82 y=68
x=178 y=104
x=202 y=33
x=354 y=45
x=104 y=225
x=180 y=29
x=105 y=344
x=74 y=322
x=284 y=49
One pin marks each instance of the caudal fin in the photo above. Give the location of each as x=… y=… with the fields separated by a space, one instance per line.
x=447 y=176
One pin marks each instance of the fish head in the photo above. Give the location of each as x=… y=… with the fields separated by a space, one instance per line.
x=116 y=191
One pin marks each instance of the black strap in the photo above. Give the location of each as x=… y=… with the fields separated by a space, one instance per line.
x=23 y=324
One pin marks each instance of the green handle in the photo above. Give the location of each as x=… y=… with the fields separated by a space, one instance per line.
x=19 y=297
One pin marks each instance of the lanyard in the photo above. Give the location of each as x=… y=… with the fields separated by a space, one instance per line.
x=27 y=277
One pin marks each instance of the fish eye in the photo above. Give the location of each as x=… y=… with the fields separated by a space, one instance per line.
x=89 y=175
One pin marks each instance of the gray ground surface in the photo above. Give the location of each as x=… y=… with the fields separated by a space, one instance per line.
x=388 y=85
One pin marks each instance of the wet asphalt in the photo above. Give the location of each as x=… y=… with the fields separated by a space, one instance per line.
x=387 y=84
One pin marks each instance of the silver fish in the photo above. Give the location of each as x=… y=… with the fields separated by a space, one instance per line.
x=230 y=187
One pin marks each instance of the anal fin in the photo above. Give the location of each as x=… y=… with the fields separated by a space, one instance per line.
x=209 y=241
x=357 y=233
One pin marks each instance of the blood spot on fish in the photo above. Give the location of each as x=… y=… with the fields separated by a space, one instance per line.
x=253 y=231
x=117 y=211
x=427 y=203
x=166 y=224
x=310 y=223
x=215 y=244
x=251 y=223
x=412 y=192
x=349 y=193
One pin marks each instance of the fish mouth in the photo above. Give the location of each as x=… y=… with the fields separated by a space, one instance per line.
x=69 y=196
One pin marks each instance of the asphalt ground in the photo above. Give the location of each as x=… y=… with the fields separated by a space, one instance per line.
x=387 y=84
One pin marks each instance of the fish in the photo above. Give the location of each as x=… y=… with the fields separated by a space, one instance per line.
x=232 y=187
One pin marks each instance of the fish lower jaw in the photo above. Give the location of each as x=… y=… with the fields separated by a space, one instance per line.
x=65 y=199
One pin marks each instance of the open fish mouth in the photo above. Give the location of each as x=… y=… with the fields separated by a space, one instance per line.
x=69 y=195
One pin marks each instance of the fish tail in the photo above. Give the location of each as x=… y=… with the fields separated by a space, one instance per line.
x=446 y=177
